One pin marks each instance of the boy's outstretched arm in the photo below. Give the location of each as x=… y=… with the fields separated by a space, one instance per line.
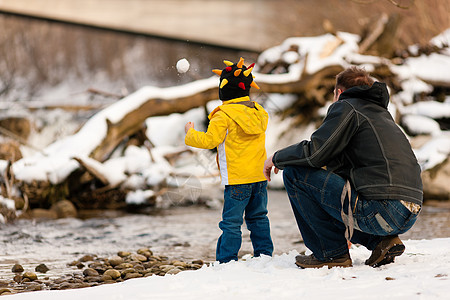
x=215 y=134
x=188 y=126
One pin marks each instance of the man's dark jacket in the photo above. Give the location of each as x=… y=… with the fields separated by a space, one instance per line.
x=360 y=141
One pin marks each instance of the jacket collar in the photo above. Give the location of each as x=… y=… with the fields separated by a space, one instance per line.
x=235 y=100
x=377 y=93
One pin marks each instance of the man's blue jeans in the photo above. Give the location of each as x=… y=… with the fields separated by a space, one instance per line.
x=315 y=196
x=250 y=199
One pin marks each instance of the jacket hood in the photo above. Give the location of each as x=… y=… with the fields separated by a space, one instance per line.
x=249 y=115
x=377 y=93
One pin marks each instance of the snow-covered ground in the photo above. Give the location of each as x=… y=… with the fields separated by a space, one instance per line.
x=422 y=272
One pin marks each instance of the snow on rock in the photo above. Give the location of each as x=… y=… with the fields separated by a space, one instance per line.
x=55 y=162
x=434 y=151
x=418 y=124
x=431 y=109
x=139 y=197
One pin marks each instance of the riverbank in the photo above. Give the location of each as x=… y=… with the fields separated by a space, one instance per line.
x=180 y=233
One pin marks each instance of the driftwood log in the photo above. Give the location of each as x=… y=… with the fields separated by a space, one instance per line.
x=311 y=90
x=308 y=86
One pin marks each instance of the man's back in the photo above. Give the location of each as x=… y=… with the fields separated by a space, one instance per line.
x=378 y=158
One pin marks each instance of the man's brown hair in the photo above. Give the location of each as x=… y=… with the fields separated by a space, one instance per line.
x=353 y=76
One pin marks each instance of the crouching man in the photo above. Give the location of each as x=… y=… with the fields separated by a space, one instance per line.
x=356 y=179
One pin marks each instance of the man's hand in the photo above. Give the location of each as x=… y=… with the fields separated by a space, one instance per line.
x=188 y=126
x=268 y=164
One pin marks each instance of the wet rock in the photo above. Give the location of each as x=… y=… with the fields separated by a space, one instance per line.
x=126 y=271
x=33 y=286
x=123 y=266
x=166 y=268
x=114 y=274
x=88 y=257
x=196 y=266
x=66 y=286
x=64 y=209
x=92 y=279
x=17 y=268
x=98 y=266
x=198 y=262
x=104 y=278
x=181 y=264
x=4 y=291
x=18 y=278
x=138 y=257
x=123 y=253
x=145 y=251
x=132 y=275
x=139 y=267
x=42 y=268
x=29 y=275
x=174 y=271
x=100 y=271
x=90 y=272
x=115 y=260
x=150 y=264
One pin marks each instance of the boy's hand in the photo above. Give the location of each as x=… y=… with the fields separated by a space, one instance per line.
x=268 y=164
x=188 y=126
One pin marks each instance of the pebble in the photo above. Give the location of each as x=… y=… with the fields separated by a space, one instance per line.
x=17 y=268
x=132 y=275
x=123 y=266
x=42 y=268
x=115 y=260
x=124 y=253
x=29 y=275
x=114 y=274
x=4 y=291
x=90 y=272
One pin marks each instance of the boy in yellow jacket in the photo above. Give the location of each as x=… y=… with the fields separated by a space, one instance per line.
x=237 y=128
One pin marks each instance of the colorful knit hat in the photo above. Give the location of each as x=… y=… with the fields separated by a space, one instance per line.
x=235 y=80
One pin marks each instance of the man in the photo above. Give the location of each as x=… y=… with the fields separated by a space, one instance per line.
x=357 y=179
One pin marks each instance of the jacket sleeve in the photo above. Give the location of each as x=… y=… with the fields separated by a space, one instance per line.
x=327 y=142
x=217 y=130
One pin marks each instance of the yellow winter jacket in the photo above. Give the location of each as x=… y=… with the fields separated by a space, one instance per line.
x=237 y=128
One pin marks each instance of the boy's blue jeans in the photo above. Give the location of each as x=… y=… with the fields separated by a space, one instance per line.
x=315 y=196
x=250 y=199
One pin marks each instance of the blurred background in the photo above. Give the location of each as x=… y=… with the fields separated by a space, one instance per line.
x=52 y=48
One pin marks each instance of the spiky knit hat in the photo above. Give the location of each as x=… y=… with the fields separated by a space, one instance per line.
x=235 y=80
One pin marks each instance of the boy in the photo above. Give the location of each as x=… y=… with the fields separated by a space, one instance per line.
x=237 y=129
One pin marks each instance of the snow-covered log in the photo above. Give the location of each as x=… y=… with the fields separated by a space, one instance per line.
x=297 y=66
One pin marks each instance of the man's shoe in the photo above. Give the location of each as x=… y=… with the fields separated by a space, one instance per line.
x=310 y=261
x=386 y=251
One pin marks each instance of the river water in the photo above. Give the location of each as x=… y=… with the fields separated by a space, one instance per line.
x=185 y=233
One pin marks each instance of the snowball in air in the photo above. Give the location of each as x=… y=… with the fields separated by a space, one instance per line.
x=182 y=65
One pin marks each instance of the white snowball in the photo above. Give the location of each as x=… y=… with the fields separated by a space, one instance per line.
x=183 y=65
